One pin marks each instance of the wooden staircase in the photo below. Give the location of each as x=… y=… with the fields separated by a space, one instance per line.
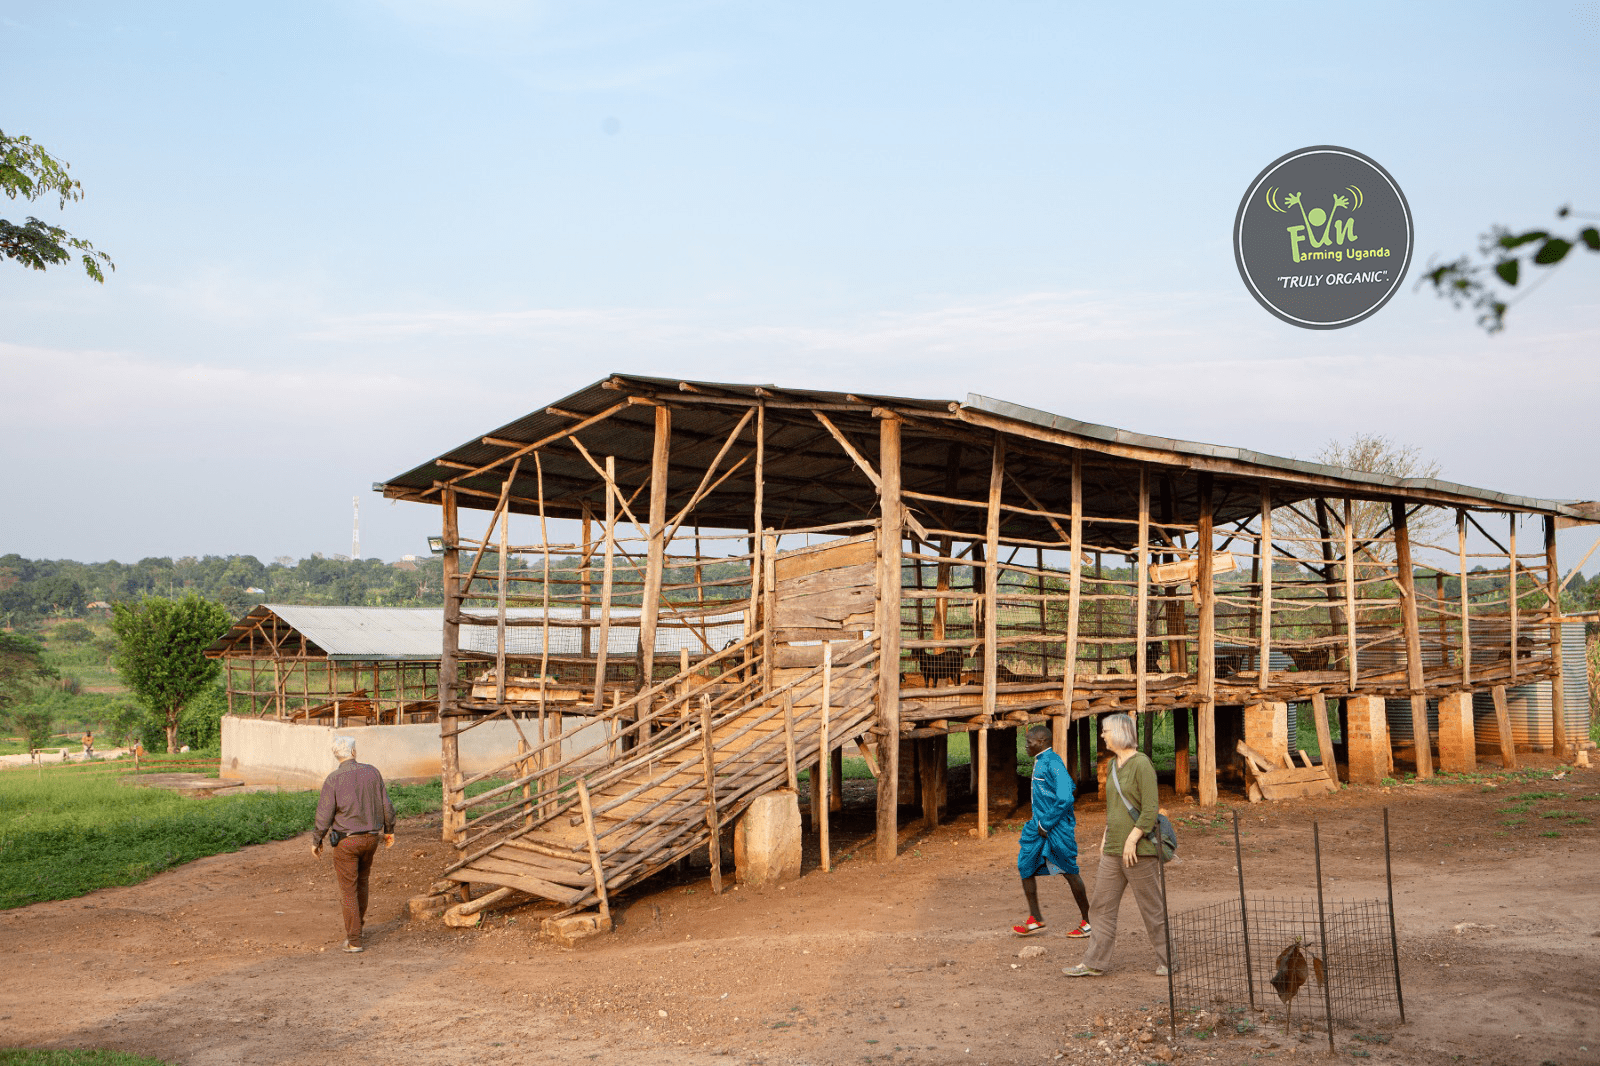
x=686 y=757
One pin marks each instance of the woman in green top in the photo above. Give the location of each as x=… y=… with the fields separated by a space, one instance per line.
x=1127 y=853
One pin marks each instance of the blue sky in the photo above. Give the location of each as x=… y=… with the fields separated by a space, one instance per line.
x=352 y=234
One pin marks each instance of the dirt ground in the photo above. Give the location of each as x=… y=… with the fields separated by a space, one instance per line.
x=233 y=959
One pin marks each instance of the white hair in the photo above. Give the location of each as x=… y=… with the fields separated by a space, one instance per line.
x=344 y=748
x=1119 y=731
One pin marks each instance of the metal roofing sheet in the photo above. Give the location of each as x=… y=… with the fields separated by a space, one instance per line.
x=385 y=633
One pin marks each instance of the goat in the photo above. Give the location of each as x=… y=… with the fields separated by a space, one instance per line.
x=938 y=666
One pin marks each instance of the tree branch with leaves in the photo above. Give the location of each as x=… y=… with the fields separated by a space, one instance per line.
x=29 y=172
x=1478 y=284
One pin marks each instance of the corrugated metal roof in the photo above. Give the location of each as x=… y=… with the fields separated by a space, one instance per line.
x=417 y=633
x=811 y=482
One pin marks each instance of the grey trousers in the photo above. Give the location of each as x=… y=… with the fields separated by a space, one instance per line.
x=1111 y=879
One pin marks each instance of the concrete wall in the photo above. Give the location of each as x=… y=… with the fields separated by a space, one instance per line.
x=264 y=751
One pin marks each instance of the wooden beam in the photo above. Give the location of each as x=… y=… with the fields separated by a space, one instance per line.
x=454 y=822
x=1502 y=718
x=1206 y=712
x=1069 y=669
x=1413 y=634
x=650 y=601
x=1319 y=707
x=991 y=618
x=888 y=622
x=1558 y=696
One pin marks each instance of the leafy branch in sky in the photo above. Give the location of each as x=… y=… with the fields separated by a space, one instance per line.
x=30 y=172
x=1465 y=282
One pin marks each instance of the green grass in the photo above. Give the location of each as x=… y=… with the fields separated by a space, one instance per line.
x=75 y=1057
x=64 y=834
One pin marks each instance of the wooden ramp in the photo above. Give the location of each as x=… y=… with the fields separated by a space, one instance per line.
x=688 y=756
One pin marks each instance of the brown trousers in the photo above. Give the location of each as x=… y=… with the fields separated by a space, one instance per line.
x=352 y=863
x=1110 y=881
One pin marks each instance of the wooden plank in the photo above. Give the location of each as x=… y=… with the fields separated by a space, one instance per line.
x=1502 y=719
x=888 y=627
x=588 y=823
x=1295 y=790
x=497 y=864
x=531 y=885
x=856 y=575
x=854 y=551
x=1319 y=707
x=820 y=609
x=823 y=760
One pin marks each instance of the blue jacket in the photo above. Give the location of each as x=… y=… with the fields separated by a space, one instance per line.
x=1052 y=810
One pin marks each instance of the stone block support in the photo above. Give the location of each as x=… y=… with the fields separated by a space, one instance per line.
x=1458 y=752
x=1266 y=728
x=1367 y=744
x=766 y=842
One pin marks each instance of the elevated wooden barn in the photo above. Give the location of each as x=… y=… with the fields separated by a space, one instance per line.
x=902 y=569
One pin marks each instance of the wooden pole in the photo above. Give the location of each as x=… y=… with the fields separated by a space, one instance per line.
x=650 y=603
x=1141 y=570
x=1069 y=671
x=594 y=850
x=823 y=759
x=1502 y=719
x=607 y=576
x=1319 y=707
x=991 y=624
x=713 y=819
x=1206 y=712
x=1264 y=549
x=756 y=519
x=1512 y=579
x=1408 y=618
x=788 y=741
x=454 y=821
x=1558 y=696
x=888 y=623
x=585 y=580
x=1466 y=614
x=1350 y=599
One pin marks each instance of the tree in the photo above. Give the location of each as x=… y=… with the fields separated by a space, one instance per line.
x=160 y=646
x=1369 y=453
x=1463 y=282
x=28 y=171
x=21 y=664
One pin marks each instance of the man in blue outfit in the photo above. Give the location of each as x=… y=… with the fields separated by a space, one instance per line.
x=1049 y=841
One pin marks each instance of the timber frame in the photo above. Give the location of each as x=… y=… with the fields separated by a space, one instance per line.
x=1012 y=566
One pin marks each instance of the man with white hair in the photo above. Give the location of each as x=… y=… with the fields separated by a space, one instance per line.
x=353 y=810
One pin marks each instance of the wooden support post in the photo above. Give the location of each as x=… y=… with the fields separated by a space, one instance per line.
x=1512 y=580
x=650 y=602
x=1558 y=696
x=454 y=821
x=1319 y=707
x=585 y=579
x=607 y=576
x=1408 y=618
x=1069 y=671
x=824 y=760
x=713 y=818
x=788 y=742
x=1502 y=720
x=890 y=509
x=933 y=758
x=1350 y=647
x=1180 y=749
x=594 y=850
x=991 y=620
x=1206 y=712
x=1264 y=550
x=980 y=765
x=1466 y=603
x=1142 y=575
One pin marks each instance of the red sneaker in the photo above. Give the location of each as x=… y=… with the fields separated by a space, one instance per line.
x=1029 y=927
x=1080 y=930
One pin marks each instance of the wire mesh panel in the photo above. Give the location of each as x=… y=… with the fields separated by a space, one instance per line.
x=1208 y=945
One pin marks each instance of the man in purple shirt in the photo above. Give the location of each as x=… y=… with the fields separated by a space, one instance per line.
x=355 y=807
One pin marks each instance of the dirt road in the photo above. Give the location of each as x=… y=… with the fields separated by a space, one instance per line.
x=233 y=959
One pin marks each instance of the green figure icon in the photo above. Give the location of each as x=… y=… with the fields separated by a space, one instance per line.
x=1342 y=231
